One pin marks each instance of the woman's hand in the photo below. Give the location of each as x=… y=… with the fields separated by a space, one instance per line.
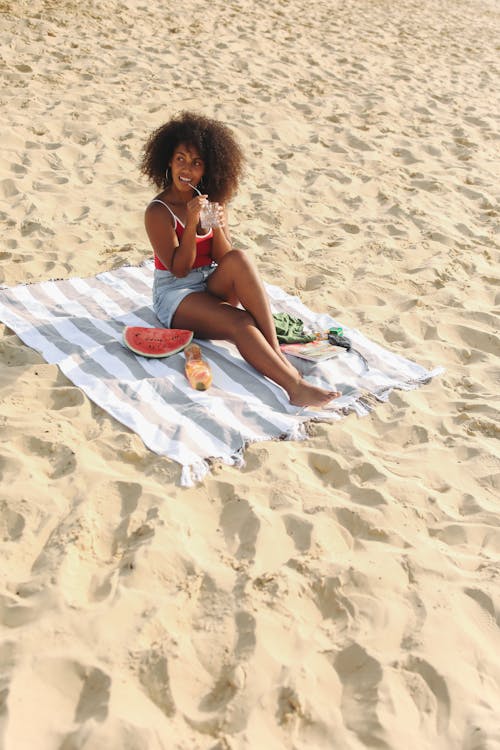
x=194 y=207
x=221 y=216
x=221 y=243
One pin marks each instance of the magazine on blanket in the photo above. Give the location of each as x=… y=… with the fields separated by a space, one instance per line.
x=314 y=351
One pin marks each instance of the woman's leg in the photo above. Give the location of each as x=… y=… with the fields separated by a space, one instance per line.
x=208 y=317
x=237 y=280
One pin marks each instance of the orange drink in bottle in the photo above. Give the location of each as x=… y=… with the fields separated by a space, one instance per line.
x=197 y=369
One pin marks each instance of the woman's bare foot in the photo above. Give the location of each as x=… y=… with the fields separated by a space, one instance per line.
x=305 y=394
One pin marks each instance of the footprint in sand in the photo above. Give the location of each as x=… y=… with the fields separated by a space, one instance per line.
x=15 y=611
x=367 y=472
x=350 y=228
x=93 y=702
x=333 y=605
x=393 y=333
x=155 y=679
x=66 y=398
x=358 y=144
x=310 y=283
x=19 y=169
x=395 y=232
x=60 y=460
x=361 y=528
x=231 y=678
x=86 y=689
x=430 y=186
x=11 y=468
x=299 y=530
x=241 y=528
x=12 y=523
x=255 y=459
x=486 y=603
x=360 y=675
x=290 y=708
x=75 y=691
x=31 y=227
x=405 y=155
x=9 y=188
x=430 y=693
x=329 y=469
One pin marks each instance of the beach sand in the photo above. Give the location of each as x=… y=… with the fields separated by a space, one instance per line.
x=341 y=592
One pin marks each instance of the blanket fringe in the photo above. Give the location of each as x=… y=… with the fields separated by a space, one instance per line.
x=192 y=474
x=362 y=405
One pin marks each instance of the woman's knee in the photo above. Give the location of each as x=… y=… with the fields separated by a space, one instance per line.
x=237 y=258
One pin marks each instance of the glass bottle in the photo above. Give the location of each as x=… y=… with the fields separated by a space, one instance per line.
x=197 y=369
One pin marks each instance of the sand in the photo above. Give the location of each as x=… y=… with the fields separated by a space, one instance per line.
x=341 y=592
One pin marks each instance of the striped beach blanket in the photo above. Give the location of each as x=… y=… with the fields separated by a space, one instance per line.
x=78 y=323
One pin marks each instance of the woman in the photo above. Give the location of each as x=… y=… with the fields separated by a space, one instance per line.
x=199 y=278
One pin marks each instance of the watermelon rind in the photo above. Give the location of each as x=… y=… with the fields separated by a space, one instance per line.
x=156 y=342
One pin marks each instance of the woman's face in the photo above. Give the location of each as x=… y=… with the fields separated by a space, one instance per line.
x=186 y=166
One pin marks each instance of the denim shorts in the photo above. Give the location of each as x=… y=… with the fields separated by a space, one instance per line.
x=169 y=291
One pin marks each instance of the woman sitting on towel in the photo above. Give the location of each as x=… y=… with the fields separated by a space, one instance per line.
x=199 y=278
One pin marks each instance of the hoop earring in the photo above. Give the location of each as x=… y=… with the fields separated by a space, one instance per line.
x=201 y=185
x=167 y=176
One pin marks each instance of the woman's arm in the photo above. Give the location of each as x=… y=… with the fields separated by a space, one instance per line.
x=221 y=243
x=177 y=256
x=161 y=232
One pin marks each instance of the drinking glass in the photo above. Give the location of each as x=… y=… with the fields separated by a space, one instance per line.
x=209 y=215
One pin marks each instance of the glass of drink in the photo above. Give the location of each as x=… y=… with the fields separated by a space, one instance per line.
x=209 y=215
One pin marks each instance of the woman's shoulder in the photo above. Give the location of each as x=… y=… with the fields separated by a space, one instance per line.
x=156 y=214
x=158 y=201
x=158 y=206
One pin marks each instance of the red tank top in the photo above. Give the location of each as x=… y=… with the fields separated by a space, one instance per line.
x=203 y=242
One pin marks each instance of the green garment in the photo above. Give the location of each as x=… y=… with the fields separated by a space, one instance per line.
x=290 y=330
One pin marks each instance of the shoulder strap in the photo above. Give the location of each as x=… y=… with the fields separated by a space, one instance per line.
x=157 y=200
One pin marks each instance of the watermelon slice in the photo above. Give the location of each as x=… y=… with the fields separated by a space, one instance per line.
x=156 y=342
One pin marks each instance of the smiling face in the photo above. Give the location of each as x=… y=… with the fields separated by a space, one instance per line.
x=187 y=166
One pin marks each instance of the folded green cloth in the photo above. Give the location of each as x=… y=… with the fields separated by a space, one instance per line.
x=290 y=330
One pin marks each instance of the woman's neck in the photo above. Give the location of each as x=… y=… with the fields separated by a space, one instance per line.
x=177 y=197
